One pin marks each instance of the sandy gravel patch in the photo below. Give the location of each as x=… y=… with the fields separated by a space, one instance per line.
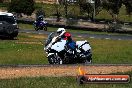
x=38 y=36
x=39 y=43
x=55 y=71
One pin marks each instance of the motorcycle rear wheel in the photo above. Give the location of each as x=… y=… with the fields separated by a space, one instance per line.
x=45 y=28
x=36 y=29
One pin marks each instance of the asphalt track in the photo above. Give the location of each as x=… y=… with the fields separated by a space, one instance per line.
x=85 y=35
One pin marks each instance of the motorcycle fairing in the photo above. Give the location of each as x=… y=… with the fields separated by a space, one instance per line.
x=59 y=46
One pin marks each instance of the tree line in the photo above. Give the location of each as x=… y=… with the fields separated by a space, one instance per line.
x=91 y=7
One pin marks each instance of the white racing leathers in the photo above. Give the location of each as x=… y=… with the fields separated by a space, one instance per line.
x=59 y=52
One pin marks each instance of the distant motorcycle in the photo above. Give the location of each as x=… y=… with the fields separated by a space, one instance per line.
x=59 y=53
x=40 y=25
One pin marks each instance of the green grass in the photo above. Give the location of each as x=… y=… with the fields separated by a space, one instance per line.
x=3 y=4
x=12 y=53
x=111 y=51
x=55 y=82
x=50 y=9
x=122 y=16
x=31 y=52
x=26 y=26
x=19 y=52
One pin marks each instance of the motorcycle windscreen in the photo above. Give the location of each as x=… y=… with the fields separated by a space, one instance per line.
x=49 y=39
x=59 y=46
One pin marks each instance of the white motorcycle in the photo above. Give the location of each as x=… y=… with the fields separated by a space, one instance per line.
x=59 y=53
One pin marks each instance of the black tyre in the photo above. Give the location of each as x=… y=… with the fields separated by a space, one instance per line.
x=45 y=28
x=88 y=60
x=66 y=59
x=11 y=37
x=36 y=28
x=53 y=59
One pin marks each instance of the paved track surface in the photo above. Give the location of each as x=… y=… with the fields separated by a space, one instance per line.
x=18 y=71
x=97 y=36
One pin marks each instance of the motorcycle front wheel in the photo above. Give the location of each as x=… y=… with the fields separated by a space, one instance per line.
x=36 y=29
x=88 y=60
x=53 y=59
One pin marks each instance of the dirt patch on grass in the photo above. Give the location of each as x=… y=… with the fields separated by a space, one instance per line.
x=58 y=71
x=38 y=36
x=29 y=35
x=39 y=43
x=92 y=25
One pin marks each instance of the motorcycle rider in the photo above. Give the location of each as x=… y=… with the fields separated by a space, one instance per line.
x=40 y=23
x=39 y=19
x=66 y=36
x=70 y=46
x=62 y=34
x=70 y=43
